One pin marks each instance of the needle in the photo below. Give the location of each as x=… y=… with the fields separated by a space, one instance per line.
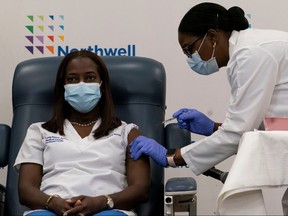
x=168 y=120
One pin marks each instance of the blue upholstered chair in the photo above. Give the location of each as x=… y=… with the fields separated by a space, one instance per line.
x=138 y=88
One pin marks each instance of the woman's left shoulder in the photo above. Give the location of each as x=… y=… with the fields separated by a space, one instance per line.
x=128 y=125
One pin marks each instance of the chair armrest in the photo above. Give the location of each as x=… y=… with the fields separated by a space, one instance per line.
x=184 y=185
x=176 y=137
x=4 y=144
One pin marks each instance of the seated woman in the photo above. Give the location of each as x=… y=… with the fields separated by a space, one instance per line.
x=78 y=162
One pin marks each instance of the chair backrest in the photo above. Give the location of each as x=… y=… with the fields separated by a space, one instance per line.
x=138 y=87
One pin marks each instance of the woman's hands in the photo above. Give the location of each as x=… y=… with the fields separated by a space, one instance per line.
x=59 y=205
x=85 y=205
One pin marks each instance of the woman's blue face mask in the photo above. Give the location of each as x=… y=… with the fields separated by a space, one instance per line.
x=200 y=66
x=83 y=97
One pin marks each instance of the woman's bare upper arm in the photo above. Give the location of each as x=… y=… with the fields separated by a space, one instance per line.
x=138 y=171
x=30 y=174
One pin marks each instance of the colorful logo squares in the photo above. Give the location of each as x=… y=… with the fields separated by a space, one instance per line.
x=43 y=33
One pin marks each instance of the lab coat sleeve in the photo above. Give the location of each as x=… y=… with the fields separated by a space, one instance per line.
x=252 y=75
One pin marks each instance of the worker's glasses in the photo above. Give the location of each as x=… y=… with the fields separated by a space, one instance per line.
x=188 y=49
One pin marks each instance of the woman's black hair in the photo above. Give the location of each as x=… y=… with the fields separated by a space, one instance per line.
x=202 y=17
x=62 y=109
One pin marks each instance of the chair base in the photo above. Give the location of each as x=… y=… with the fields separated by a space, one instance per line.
x=180 y=196
x=181 y=203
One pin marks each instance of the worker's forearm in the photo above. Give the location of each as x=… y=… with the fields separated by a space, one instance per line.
x=178 y=159
x=216 y=125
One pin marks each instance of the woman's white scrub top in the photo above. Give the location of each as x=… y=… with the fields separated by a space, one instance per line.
x=74 y=166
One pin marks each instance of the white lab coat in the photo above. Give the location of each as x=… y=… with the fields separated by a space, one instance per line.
x=258 y=75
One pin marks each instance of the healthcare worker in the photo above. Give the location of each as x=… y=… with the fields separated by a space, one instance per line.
x=256 y=60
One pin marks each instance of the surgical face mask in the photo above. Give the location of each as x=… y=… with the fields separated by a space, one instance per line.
x=83 y=97
x=200 y=66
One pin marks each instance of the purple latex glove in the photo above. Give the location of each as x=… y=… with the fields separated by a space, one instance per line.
x=194 y=121
x=143 y=145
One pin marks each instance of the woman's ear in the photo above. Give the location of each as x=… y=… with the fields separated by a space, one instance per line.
x=213 y=36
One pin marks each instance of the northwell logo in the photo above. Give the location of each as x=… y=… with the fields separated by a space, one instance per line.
x=44 y=33
x=46 y=36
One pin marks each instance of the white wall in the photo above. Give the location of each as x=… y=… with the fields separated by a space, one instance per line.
x=150 y=25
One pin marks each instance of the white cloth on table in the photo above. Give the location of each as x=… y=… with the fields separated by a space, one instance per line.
x=261 y=162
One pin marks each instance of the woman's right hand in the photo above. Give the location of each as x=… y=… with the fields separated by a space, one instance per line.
x=59 y=205
x=86 y=205
x=194 y=121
